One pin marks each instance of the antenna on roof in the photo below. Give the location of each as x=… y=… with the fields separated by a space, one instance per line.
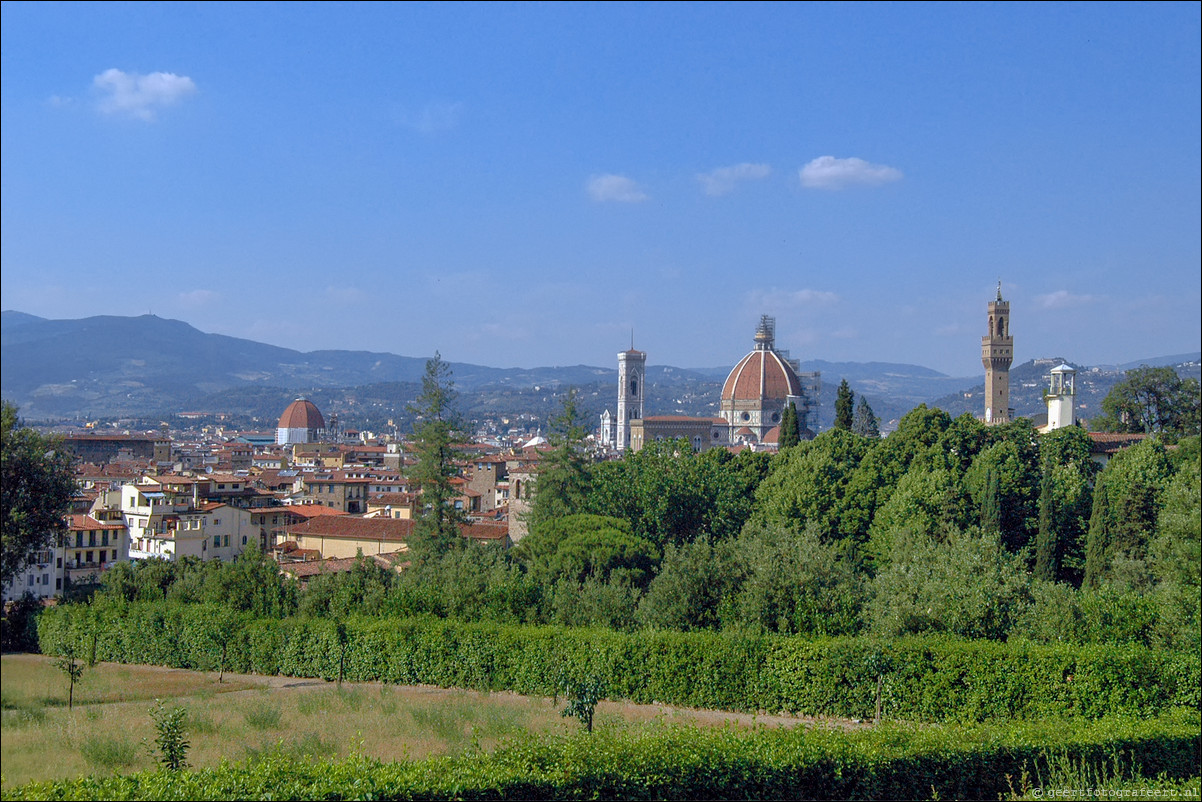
x=999 y=289
x=632 y=338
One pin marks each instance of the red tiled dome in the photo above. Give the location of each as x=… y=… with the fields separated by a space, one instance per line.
x=302 y=414
x=761 y=374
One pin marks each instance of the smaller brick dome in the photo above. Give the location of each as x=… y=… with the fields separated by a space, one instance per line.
x=302 y=414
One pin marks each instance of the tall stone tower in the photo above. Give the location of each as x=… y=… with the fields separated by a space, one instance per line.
x=997 y=352
x=1060 y=395
x=632 y=370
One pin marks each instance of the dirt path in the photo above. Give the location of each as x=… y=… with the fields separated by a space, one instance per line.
x=628 y=710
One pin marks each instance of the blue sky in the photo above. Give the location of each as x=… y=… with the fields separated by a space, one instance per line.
x=521 y=185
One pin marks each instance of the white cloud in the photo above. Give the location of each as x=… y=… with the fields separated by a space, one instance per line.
x=827 y=172
x=435 y=118
x=615 y=188
x=774 y=299
x=140 y=95
x=724 y=179
x=199 y=297
x=1063 y=299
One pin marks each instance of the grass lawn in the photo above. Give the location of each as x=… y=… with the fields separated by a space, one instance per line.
x=110 y=728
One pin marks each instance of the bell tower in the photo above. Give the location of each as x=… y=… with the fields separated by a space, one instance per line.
x=632 y=370
x=997 y=352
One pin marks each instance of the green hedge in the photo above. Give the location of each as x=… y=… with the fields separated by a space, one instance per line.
x=924 y=679
x=890 y=762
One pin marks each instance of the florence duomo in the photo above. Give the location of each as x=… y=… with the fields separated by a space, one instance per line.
x=755 y=397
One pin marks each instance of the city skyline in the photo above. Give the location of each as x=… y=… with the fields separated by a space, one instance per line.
x=523 y=185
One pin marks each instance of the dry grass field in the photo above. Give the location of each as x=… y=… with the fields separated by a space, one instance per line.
x=111 y=730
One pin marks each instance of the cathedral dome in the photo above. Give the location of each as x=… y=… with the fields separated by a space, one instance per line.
x=762 y=374
x=302 y=414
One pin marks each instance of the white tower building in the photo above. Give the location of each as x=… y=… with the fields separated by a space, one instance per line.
x=632 y=370
x=1061 y=398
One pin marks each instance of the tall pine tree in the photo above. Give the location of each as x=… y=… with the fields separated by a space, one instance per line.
x=563 y=479
x=866 y=423
x=437 y=529
x=844 y=407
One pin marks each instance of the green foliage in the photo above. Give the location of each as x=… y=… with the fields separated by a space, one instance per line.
x=669 y=494
x=1004 y=480
x=807 y=484
x=595 y=602
x=1060 y=614
x=1153 y=401
x=170 y=738
x=262 y=716
x=878 y=473
x=1126 y=504
x=252 y=584
x=932 y=678
x=1175 y=555
x=968 y=586
x=888 y=762
x=35 y=492
x=109 y=753
x=435 y=429
x=794 y=584
x=600 y=553
x=928 y=503
x=582 y=697
x=694 y=580
x=844 y=407
x=20 y=624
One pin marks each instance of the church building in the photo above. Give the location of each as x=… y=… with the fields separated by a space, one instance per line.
x=753 y=401
x=301 y=422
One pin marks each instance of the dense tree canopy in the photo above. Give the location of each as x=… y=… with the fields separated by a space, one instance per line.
x=37 y=489
x=1152 y=400
x=943 y=526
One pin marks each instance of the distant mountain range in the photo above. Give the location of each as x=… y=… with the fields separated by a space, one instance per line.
x=152 y=368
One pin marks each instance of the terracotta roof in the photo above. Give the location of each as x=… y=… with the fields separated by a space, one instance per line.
x=315 y=511
x=761 y=374
x=386 y=529
x=1111 y=442
x=683 y=419
x=302 y=414
x=87 y=522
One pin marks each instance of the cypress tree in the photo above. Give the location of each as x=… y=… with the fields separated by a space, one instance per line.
x=844 y=406
x=790 y=432
x=1046 y=556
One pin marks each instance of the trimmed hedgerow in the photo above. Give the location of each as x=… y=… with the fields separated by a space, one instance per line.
x=890 y=762
x=921 y=678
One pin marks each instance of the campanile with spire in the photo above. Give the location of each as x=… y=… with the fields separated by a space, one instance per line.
x=997 y=352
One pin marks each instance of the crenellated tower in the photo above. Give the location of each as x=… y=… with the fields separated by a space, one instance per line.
x=997 y=352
